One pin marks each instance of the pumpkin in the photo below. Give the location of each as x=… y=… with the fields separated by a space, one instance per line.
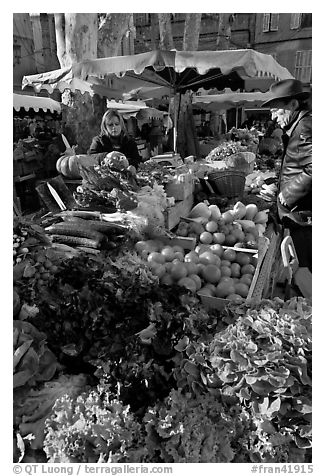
x=68 y=165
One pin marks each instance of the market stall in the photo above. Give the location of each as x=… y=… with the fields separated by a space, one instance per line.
x=109 y=301
x=138 y=297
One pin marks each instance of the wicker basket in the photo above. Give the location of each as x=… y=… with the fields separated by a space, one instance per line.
x=228 y=183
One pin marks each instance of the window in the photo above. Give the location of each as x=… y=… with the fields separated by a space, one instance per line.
x=303 y=66
x=142 y=19
x=295 y=20
x=270 y=22
x=17 y=54
x=306 y=20
x=274 y=23
x=266 y=21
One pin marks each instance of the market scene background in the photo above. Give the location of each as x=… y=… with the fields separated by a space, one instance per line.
x=162 y=298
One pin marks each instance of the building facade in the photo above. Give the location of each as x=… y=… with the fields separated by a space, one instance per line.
x=285 y=36
x=34 y=46
x=288 y=38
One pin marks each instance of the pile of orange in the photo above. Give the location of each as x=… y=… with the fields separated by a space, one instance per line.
x=209 y=270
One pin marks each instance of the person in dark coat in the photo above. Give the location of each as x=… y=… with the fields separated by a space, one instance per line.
x=113 y=136
x=290 y=108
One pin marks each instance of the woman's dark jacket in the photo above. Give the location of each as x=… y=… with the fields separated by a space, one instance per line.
x=128 y=147
x=295 y=181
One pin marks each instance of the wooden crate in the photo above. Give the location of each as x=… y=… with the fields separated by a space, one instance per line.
x=211 y=302
x=180 y=209
x=181 y=187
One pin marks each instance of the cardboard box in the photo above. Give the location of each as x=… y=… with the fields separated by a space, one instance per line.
x=211 y=302
x=180 y=209
x=180 y=187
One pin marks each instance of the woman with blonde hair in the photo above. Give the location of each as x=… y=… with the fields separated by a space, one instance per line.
x=113 y=137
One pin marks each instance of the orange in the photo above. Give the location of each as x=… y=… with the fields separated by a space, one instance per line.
x=205 y=291
x=241 y=289
x=247 y=279
x=192 y=257
x=224 y=288
x=247 y=269
x=225 y=262
x=188 y=284
x=155 y=256
x=211 y=287
x=179 y=255
x=192 y=268
x=211 y=226
x=211 y=273
x=226 y=279
x=178 y=271
x=168 y=266
x=230 y=240
x=225 y=271
x=159 y=270
x=235 y=270
x=200 y=268
x=200 y=248
x=197 y=280
x=168 y=253
x=229 y=255
x=242 y=258
x=206 y=238
x=166 y=279
x=219 y=238
x=217 y=249
x=207 y=257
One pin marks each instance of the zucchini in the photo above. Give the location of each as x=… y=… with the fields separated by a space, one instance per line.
x=91 y=251
x=76 y=241
x=80 y=214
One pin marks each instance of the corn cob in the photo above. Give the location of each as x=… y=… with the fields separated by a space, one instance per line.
x=74 y=229
x=76 y=241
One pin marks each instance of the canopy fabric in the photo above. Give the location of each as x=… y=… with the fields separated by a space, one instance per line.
x=213 y=102
x=51 y=81
x=136 y=109
x=173 y=71
x=35 y=102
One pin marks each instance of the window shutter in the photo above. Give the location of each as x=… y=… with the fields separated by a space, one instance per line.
x=274 y=22
x=266 y=21
x=303 y=68
x=295 y=20
x=306 y=20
